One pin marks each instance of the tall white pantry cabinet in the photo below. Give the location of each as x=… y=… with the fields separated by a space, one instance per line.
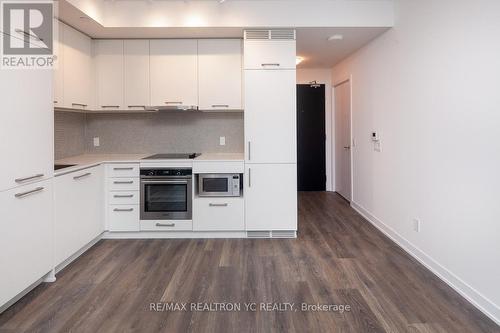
x=270 y=130
x=26 y=191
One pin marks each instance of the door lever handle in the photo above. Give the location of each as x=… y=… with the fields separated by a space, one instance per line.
x=348 y=147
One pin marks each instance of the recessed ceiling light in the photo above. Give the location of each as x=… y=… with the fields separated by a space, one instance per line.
x=298 y=60
x=336 y=37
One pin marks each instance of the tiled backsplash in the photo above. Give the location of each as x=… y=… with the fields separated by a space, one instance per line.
x=148 y=133
x=69 y=134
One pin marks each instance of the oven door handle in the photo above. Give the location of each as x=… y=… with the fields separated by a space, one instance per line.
x=178 y=182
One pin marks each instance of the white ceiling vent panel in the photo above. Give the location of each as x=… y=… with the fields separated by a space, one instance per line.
x=275 y=34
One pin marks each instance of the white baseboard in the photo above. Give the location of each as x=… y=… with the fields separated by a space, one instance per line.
x=486 y=306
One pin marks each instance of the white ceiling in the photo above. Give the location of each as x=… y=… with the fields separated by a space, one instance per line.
x=312 y=43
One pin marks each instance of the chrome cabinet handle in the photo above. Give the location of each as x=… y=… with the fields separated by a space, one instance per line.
x=82 y=176
x=20 y=180
x=79 y=104
x=220 y=106
x=124 y=182
x=270 y=64
x=165 y=224
x=167 y=102
x=123 y=196
x=109 y=106
x=24 y=194
x=348 y=147
x=217 y=205
x=123 y=209
x=55 y=102
x=128 y=168
x=137 y=106
x=249 y=177
x=249 y=150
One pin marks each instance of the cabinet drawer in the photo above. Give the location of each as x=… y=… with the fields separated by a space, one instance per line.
x=165 y=225
x=122 y=170
x=218 y=214
x=123 y=198
x=123 y=184
x=218 y=167
x=123 y=217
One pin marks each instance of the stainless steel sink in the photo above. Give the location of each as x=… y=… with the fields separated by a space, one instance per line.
x=62 y=166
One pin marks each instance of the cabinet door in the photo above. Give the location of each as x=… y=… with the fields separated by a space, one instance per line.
x=271 y=197
x=267 y=54
x=59 y=63
x=220 y=74
x=26 y=240
x=136 y=74
x=174 y=72
x=26 y=127
x=78 y=69
x=109 y=72
x=79 y=211
x=270 y=116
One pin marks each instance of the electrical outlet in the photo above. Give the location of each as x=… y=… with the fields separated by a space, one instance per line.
x=96 y=142
x=222 y=141
x=416 y=225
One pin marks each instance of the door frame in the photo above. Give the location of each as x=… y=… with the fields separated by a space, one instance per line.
x=335 y=84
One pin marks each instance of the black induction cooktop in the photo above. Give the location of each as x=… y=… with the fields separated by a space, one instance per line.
x=174 y=156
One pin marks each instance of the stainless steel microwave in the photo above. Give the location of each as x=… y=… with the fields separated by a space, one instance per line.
x=219 y=185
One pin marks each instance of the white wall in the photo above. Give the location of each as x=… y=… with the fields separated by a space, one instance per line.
x=430 y=86
x=323 y=76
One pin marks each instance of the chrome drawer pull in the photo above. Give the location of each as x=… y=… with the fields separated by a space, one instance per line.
x=137 y=106
x=124 y=182
x=220 y=106
x=79 y=104
x=123 y=196
x=217 y=205
x=167 y=102
x=273 y=64
x=128 y=168
x=109 y=106
x=123 y=210
x=165 y=224
x=20 y=180
x=24 y=194
x=81 y=176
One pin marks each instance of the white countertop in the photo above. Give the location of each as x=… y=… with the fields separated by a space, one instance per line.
x=89 y=160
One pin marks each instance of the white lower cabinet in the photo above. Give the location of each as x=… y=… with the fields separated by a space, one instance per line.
x=26 y=239
x=166 y=225
x=270 y=197
x=219 y=214
x=123 y=217
x=78 y=211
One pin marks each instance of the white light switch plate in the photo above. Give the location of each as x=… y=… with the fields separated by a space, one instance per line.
x=96 y=142
x=222 y=141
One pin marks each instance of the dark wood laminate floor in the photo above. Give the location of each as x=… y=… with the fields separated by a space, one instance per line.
x=339 y=258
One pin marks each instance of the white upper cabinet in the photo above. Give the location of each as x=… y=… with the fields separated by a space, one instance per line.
x=26 y=127
x=270 y=116
x=136 y=74
x=78 y=69
x=270 y=54
x=109 y=74
x=59 y=63
x=174 y=72
x=220 y=74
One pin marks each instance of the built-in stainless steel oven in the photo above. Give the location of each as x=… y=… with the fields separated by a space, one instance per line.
x=219 y=185
x=166 y=193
